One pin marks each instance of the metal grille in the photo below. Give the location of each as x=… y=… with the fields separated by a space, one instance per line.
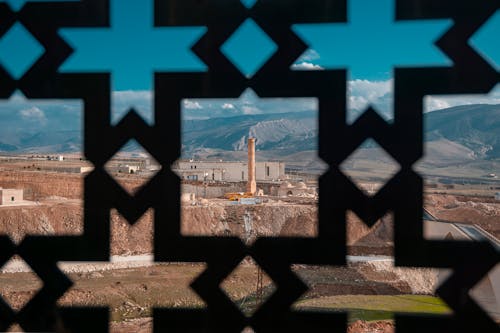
x=403 y=140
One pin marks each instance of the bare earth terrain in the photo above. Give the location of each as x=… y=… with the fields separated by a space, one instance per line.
x=132 y=293
x=467 y=209
x=371 y=290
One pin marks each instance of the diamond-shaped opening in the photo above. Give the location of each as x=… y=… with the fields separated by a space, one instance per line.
x=214 y=167
x=248 y=286
x=487 y=293
x=365 y=241
x=248 y=3
x=19 y=50
x=370 y=167
x=249 y=48
x=132 y=167
x=18 y=283
x=370 y=289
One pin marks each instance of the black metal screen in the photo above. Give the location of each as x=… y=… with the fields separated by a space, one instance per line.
x=403 y=140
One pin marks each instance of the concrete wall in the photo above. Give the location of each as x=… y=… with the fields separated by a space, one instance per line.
x=202 y=174
x=228 y=171
x=68 y=169
x=270 y=170
x=9 y=196
x=440 y=230
x=208 y=192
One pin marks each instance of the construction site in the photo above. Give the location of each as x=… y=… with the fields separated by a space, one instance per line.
x=247 y=199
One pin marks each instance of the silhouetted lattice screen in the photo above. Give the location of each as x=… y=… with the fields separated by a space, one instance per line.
x=402 y=140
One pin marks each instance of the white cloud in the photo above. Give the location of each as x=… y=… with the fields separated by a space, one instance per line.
x=307 y=66
x=228 y=106
x=432 y=103
x=192 y=105
x=363 y=93
x=309 y=55
x=19 y=101
x=369 y=89
x=33 y=114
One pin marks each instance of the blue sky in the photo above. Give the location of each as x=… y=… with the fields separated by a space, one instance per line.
x=372 y=43
x=369 y=46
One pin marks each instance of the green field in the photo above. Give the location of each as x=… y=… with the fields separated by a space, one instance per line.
x=376 y=307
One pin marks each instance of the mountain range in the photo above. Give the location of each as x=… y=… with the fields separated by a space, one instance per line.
x=466 y=132
x=469 y=132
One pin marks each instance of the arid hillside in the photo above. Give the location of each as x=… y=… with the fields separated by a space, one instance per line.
x=249 y=222
x=50 y=217
x=39 y=185
x=466 y=209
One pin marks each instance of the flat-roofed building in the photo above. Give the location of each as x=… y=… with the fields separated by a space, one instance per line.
x=10 y=196
x=230 y=171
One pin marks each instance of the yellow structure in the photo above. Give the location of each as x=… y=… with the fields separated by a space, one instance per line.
x=234 y=196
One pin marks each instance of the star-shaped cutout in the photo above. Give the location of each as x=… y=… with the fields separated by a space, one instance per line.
x=372 y=43
x=132 y=49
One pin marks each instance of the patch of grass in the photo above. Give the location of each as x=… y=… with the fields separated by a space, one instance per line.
x=377 y=307
x=369 y=315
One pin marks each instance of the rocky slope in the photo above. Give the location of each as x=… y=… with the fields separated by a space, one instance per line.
x=49 y=218
x=61 y=216
x=249 y=222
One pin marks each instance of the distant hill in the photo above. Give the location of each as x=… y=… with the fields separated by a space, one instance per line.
x=42 y=142
x=288 y=132
x=476 y=127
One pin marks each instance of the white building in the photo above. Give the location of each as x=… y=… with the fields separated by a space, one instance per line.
x=10 y=196
x=130 y=169
x=228 y=171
